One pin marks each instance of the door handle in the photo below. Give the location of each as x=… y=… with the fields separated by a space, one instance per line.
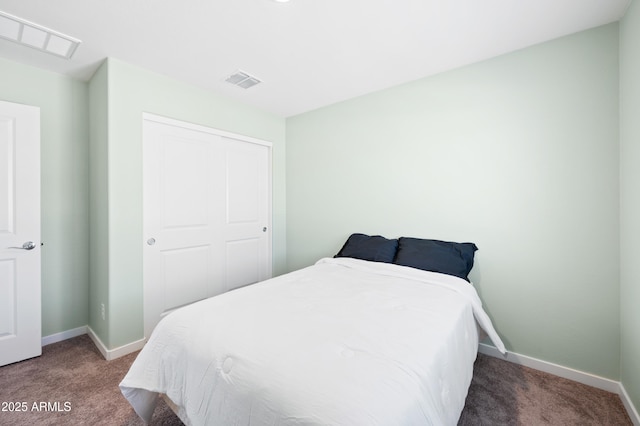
x=29 y=245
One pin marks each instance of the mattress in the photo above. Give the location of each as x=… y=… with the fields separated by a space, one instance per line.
x=342 y=342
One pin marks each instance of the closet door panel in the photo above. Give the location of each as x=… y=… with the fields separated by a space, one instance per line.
x=247 y=221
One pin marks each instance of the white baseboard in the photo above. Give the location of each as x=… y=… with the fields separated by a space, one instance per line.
x=631 y=410
x=567 y=373
x=111 y=354
x=555 y=369
x=108 y=354
x=59 y=337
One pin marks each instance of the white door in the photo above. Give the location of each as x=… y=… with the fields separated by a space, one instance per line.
x=20 y=326
x=207 y=214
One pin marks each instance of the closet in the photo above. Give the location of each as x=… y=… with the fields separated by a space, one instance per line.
x=206 y=214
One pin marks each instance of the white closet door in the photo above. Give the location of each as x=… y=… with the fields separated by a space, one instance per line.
x=207 y=214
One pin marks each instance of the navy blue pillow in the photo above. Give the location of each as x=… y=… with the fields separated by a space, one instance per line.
x=374 y=248
x=436 y=256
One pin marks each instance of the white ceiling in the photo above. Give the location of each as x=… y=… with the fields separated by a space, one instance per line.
x=308 y=53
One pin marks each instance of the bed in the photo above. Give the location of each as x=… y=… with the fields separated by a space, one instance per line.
x=346 y=341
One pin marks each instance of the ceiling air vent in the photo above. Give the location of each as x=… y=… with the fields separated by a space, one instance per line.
x=33 y=35
x=242 y=79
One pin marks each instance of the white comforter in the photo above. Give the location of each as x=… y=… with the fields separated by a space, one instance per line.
x=343 y=342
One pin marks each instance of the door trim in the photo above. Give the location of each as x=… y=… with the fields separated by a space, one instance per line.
x=146 y=116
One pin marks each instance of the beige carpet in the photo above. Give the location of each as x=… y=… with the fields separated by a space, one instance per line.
x=71 y=384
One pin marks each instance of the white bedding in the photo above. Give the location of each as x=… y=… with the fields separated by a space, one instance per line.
x=343 y=342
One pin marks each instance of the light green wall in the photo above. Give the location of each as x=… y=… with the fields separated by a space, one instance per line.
x=98 y=202
x=630 y=201
x=132 y=91
x=518 y=154
x=64 y=192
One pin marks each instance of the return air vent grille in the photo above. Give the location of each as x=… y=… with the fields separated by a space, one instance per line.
x=33 y=35
x=242 y=79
